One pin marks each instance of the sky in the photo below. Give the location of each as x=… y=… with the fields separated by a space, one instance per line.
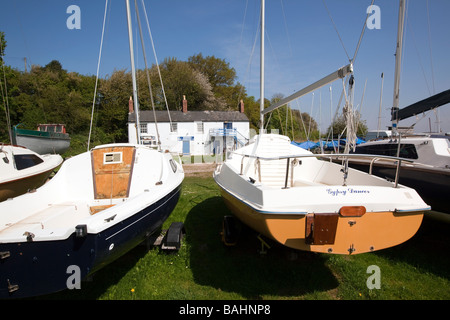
x=305 y=40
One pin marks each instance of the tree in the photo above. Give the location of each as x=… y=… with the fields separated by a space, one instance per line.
x=48 y=95
x=218 y=71
x=2 y=46
x=114 y=92
x=180 y=79
x=290 y=122
x=339 y=125
x=221 y=77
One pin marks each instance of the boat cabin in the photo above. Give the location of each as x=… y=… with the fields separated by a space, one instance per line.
x=58 y=128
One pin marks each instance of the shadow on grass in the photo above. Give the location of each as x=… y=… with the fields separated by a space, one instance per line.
x=428 y=250
x=242 y=269
x=108 y=276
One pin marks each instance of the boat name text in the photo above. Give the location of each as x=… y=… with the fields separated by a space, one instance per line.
x=344 y=192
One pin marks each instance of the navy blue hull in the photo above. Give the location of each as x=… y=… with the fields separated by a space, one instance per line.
x=38 y=268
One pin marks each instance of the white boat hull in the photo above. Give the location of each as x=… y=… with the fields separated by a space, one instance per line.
x=43 y=145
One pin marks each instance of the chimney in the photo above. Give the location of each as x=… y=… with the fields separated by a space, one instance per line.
x=241 y=106
x=130 y=105
x=184 y=104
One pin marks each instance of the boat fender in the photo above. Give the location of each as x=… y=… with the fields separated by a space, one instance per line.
x=81 y=230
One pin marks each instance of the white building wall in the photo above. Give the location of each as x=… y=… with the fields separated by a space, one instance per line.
x=202 y=143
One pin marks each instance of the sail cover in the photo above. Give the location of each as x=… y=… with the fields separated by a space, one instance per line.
x=423 y=105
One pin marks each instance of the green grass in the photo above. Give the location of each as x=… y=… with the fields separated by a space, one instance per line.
x=204 y=268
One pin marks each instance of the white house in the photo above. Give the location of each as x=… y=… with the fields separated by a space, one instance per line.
x=192 y=132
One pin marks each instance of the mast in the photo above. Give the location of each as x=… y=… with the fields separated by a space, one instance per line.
x=379 y=110
x=398 y=61
x=133 y=74
x=262 y=67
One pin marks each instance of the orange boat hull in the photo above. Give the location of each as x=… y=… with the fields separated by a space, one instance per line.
x=329 y=233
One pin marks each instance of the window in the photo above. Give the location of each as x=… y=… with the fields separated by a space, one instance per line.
x=24 y=161
x=407 y=151
x=199 y=126
x=143 y=127
x=173 y=127
x=112 y=157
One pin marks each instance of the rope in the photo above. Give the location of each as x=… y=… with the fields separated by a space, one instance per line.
x=96 y=79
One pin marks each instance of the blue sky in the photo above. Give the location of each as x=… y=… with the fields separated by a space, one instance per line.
x=302 y=45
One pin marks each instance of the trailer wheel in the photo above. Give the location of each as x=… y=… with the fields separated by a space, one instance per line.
x=174 y=236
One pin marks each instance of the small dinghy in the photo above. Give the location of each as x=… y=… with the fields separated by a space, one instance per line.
x=22 y=170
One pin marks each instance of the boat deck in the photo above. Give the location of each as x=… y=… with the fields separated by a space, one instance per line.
x=57 y=219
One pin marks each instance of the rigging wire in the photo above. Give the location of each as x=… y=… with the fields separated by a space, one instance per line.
x=156 y=61
x=5 y=99
x=96 y=78
x=335 y=28
x=431 y=53
x=147 y=73
x=361 y=35
x=286 y=28
x=252 y=52
x=419 y=58
x=437 y=111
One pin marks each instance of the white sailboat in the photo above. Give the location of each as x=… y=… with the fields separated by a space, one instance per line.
x=289 y=195
x=98 y=206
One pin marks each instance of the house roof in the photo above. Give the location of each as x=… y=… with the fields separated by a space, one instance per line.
x=189 y=116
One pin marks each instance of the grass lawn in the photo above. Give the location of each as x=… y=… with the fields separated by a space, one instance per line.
x=205 y=269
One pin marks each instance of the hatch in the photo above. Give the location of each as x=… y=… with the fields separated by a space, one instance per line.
x=321 y=228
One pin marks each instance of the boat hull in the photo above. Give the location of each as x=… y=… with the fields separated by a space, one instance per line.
x=17 y=187
x=346 y=235
x=43 y=144
x=44 y=267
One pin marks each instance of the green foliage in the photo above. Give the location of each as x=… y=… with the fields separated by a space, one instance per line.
x=49 y=95
x=2 y=46
x=339 y=124
x=292 y=123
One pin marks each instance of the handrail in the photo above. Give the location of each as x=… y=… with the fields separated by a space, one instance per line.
x=296 y=156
